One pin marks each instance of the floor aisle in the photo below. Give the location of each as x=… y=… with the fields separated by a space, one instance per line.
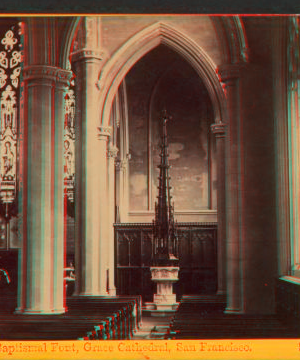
x=152 y=328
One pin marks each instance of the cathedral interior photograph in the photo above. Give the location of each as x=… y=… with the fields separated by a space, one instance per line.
x=149 y=177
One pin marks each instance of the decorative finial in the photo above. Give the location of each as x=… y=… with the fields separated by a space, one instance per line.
x=165 y=245
x=165 y=116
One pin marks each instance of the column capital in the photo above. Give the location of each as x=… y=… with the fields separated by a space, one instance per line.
x=104 y=132
x=218 y=129
x=112 y=152
x=122 y=164
x=89 y=54
x=229 y=72
x=88 y=41
x=46 y=73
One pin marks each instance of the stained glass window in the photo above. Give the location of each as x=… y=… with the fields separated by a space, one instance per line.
x=11 y=62
x=69 y=142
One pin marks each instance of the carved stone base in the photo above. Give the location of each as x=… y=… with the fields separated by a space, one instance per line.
x=160 y=299
x=160 y=310
x=164 y=302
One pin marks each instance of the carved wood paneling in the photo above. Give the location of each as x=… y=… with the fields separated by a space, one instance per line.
x=197 y=254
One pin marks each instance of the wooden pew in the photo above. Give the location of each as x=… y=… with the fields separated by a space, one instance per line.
x=92 y=319
x=46 y=328
x=203 y=317
x=130 y=315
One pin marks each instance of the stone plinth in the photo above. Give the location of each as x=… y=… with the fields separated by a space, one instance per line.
x=164 y=302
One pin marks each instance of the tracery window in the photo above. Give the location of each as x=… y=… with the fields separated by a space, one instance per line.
x=11 y=64
x=69 y=146
x=11 y=60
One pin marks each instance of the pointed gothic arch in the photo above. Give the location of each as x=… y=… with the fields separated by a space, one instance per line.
x=232 y=38
x=61 y=33
x=140 y=44
x=68 y=40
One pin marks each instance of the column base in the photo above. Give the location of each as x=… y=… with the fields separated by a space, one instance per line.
x=233 y=311
x=296 y=270
x=40 y=312
x=83 y=294
x=112 y=291
x=221 y=292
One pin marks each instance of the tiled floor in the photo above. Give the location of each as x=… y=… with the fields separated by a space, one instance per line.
x=152 y=328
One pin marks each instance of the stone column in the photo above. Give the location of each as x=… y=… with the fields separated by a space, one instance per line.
x=122 y=183
x=104 y=217
x=90 y=163
x=41 y=280
x=279 y=66
x=90 y=168
x=219 y=131
x=112 y=154
x=229 y=75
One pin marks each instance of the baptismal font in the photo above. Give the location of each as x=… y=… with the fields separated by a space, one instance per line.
x=164 y=269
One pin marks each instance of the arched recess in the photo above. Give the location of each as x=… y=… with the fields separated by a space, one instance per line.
x=143 y=42
x=38 y=33
x=68 y=39
x=136 y=48
x=232 y=38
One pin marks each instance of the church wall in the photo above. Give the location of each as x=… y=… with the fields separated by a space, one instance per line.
x=138 y=95
x=189 y=142
x=116 y=30
x=259 y=245
x=178 y=89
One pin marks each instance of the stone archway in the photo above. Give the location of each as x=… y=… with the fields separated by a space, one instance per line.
x=135 y=48
x=129 y=54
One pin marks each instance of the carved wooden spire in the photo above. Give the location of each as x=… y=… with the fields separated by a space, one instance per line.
x=165 y=244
